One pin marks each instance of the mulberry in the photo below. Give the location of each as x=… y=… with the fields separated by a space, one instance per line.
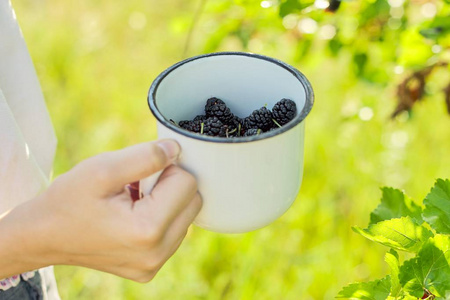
x=217 y=108
x=213 y=127
x=252 y=131
x=194 y=126
x=261 y=118
x=284 y=111
x=200 y=118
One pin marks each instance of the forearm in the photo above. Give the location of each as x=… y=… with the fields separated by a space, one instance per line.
x=21 y=240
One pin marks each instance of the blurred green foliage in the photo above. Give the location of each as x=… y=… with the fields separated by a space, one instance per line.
x=96 y=60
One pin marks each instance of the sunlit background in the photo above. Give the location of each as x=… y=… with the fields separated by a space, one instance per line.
x=96 y=60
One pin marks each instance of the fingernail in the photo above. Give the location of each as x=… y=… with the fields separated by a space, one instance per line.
x=171 y=148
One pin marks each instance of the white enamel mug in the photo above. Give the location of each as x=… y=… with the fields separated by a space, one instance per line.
x=247 y=182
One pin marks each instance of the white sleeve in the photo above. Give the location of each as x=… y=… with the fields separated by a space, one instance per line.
x=21 y=89
x=21 y=178
x=27 y=139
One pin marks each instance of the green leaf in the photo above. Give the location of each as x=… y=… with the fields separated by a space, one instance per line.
x=437 y=207
x=395 y=204
x=438 y=27
x=404 y=297
x=401 y=234
x=293 y=6
x=432 y=33
x=414 y=50
x=373 y=290
x=334 y=45
x=442 y=242
x=429 y=269
x=391 y=258
x=360 y=60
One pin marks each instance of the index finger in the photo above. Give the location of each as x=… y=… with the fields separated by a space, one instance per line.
x=111 y=171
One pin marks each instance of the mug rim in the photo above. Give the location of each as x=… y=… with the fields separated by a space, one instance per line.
x=309 y=100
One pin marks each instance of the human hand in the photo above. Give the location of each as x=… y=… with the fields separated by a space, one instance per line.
x=89 y=218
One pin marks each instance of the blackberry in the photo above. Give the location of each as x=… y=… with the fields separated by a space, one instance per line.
x=252 y=131
x=217 y=108
x=261 y=118
x=236 y=126
x=194 y=126
x=200 y=118
x=236 y=121
x=284 y=111
x=230 y=131
x=213 y=101
x=213 y=127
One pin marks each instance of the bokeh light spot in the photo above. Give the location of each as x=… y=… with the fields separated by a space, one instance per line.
x=321 y=4
x=290 y=21
x=428 y=10
x=307 y=25
x=266 y=4
x=137 y=20
x=365 y=113
x=327 y=32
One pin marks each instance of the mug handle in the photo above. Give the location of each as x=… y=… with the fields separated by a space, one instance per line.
x=146 y=185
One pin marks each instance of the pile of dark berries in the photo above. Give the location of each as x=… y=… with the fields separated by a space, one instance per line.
x=219 y=121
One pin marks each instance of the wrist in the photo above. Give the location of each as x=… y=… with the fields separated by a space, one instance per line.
x=23 y=232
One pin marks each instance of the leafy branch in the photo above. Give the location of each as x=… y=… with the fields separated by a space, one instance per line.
x=402 y=225
x=380 y=40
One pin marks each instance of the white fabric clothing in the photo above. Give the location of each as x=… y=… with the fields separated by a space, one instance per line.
x=27 y=138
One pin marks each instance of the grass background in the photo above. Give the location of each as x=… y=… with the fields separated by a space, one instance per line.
x=96 y=61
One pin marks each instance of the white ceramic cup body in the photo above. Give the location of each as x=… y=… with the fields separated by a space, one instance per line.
x=247 y=182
